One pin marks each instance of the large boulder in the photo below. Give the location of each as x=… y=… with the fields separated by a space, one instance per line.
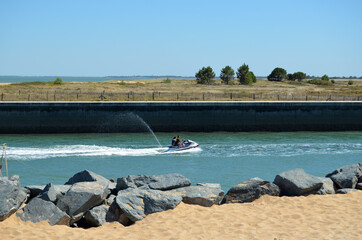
x=40 y=210
x=296 y=183
x=204 y=194
x=328 y=187
x=53 y=192
x=347 y=176
x=156 y=182
x=89 y=176
x=96 y=216
x=86 y=176
x=11 y=196
x=135 y=203
x=250 y=190
x=35 y=190
x=81 y=197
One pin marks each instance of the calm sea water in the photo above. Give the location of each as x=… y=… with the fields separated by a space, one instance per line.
x=18 y=79
x=225 y=158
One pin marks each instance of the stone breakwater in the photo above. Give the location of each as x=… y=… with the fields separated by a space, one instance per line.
x=89 y=200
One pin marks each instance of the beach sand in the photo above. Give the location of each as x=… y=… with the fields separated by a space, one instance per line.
x=314 y=217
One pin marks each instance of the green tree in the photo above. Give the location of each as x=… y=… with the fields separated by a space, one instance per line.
x=299 y=76
x=58 y=81
x=205 y=75
x=241 y=74
x=252 y=76
x=227 y=74
x=325 y=77
x=278 y=74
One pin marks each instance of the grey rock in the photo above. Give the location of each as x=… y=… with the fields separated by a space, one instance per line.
x=115 y=214
x=159 y=201
x=11 y=197
x=53 y=192
x=40 y=210
x=328 y=187
x=86 y=176
x=155 y=182
x=210 y=185
x=112 y=186
x=296 y=183
x=347 y=176
x=89 y=176
x=131 y=203
x=204 y=194
x=81 y=197
x=345 y=190
x=359 y=186
x=96 y=216
x=13 y=180
x=250 y=190
x=110 y=200
x=135 y=203
x=35 y=190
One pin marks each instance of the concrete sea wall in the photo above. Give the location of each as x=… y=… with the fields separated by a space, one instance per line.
x=89 y=117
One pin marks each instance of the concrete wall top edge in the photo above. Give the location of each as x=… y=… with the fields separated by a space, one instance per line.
x=196 y=103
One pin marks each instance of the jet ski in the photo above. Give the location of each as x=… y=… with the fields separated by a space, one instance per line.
x=188 y=144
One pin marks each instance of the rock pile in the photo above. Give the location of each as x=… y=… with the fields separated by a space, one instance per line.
x=89 y=200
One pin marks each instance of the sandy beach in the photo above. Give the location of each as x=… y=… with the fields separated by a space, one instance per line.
x=313 y=217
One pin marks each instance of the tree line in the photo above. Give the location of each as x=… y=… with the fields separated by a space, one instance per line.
x=206 y=75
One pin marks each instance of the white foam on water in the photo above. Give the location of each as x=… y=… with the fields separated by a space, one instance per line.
x=285 y=149
x=27 y=153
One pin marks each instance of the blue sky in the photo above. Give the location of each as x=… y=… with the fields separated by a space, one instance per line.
x=155 y=37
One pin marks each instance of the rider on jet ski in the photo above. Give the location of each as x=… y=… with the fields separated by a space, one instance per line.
x=178 y=142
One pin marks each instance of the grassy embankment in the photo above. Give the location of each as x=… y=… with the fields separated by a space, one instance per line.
x=176 y=89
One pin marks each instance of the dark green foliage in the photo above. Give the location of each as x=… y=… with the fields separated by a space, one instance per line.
x=278 y=74
x=332 y=81
x=316 y=81
x=290 y=77
x=58 y=81
x=350 y=82
x=299 y=76
x=251 y=76
x=205 y=75
x=325 y=77
x=241 y=74
x=227 y=74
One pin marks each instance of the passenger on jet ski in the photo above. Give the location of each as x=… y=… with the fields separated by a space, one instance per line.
x=173 y=143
